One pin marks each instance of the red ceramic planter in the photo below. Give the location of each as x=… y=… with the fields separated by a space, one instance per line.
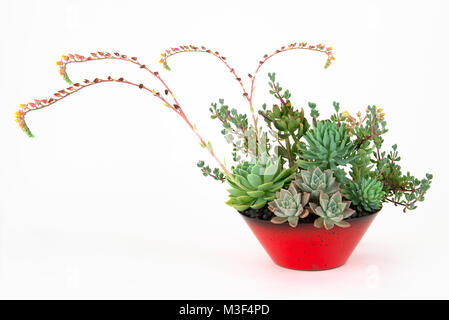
x=306 y=247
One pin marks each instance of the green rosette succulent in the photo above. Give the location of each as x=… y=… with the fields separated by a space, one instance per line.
x=313 y=180
x=366 y=194
x=328 y=146
x=289 y=206
x=255 y=183
x=332 y=211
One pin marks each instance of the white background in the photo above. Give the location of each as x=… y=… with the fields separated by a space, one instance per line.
x=107 y=202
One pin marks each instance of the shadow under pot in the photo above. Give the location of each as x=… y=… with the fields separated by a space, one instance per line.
x=306 y=247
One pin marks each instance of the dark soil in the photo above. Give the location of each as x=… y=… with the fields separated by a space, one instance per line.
x=265 y=214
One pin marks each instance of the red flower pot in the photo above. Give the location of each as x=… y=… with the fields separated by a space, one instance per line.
x=306 y=247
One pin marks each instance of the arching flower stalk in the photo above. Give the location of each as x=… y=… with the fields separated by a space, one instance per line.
x=75 y=87
x=248 y=96
x=100 y=55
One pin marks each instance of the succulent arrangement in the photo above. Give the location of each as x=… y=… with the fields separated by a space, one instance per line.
x=302 y=169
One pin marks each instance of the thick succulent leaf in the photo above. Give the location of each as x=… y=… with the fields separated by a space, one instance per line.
x=292 y=189
x=326 y=139
x=270 y=172
x=272 y=205
x=348 y=212
x=242 y=199
x=277 y=186
x=328 y=224
x=242 y=181
x=314 y=207
x=318 y=223
x=341 y=206
x=305 y=198
x=254 y=180
x=305 y=188
x=236 y=192
x=278 y=220
x=337 y=218
x=306 y=177
x=315 y=196
x=320 y=212
x=239 y=207
x=265 y=186
x=293 y=221
x=298 y=199
x=343 y=224
x=257 y=170
x=289 y=212
x=237 y=185
x=270 y=198
x=284 y=194
x=279 y=213
x=260 y=203
x=336 y=197
x=256 y=194
x=283 y=175
x=324 y=200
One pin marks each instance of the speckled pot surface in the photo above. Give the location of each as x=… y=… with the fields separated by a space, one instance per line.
x=306 y=247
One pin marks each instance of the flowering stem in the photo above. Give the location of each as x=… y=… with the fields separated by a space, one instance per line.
x=249 y=97
x=292 y=46
x=40 y=104
x=191 y=48
x=103 y=56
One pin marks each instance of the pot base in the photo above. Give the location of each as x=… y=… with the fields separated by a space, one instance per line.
x=306 y=247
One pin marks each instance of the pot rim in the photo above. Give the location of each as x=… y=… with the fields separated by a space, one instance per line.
x=373 y=214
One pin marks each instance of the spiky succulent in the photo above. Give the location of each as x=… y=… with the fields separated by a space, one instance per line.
x=328 y=146
x=332 y=211
x=365 y=194
x=289 y=205
x=313 y=180
x=255 y=183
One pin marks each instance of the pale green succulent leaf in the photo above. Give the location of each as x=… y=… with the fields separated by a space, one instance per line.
x=236 y=192
x=265 y=186
x=256 y=194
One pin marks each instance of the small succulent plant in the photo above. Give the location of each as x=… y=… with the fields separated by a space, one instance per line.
x=255 y=183
x=289 y=206
x=287 y=120
x=331 y=211
x=313 y=180
x=328 y=146
x=365 y=194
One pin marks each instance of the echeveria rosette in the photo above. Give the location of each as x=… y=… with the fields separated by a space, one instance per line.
x=313 y=180
x=289 y=206
x=256 y=183
x=328 y=145
x=331 y=211
x=366 y=194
